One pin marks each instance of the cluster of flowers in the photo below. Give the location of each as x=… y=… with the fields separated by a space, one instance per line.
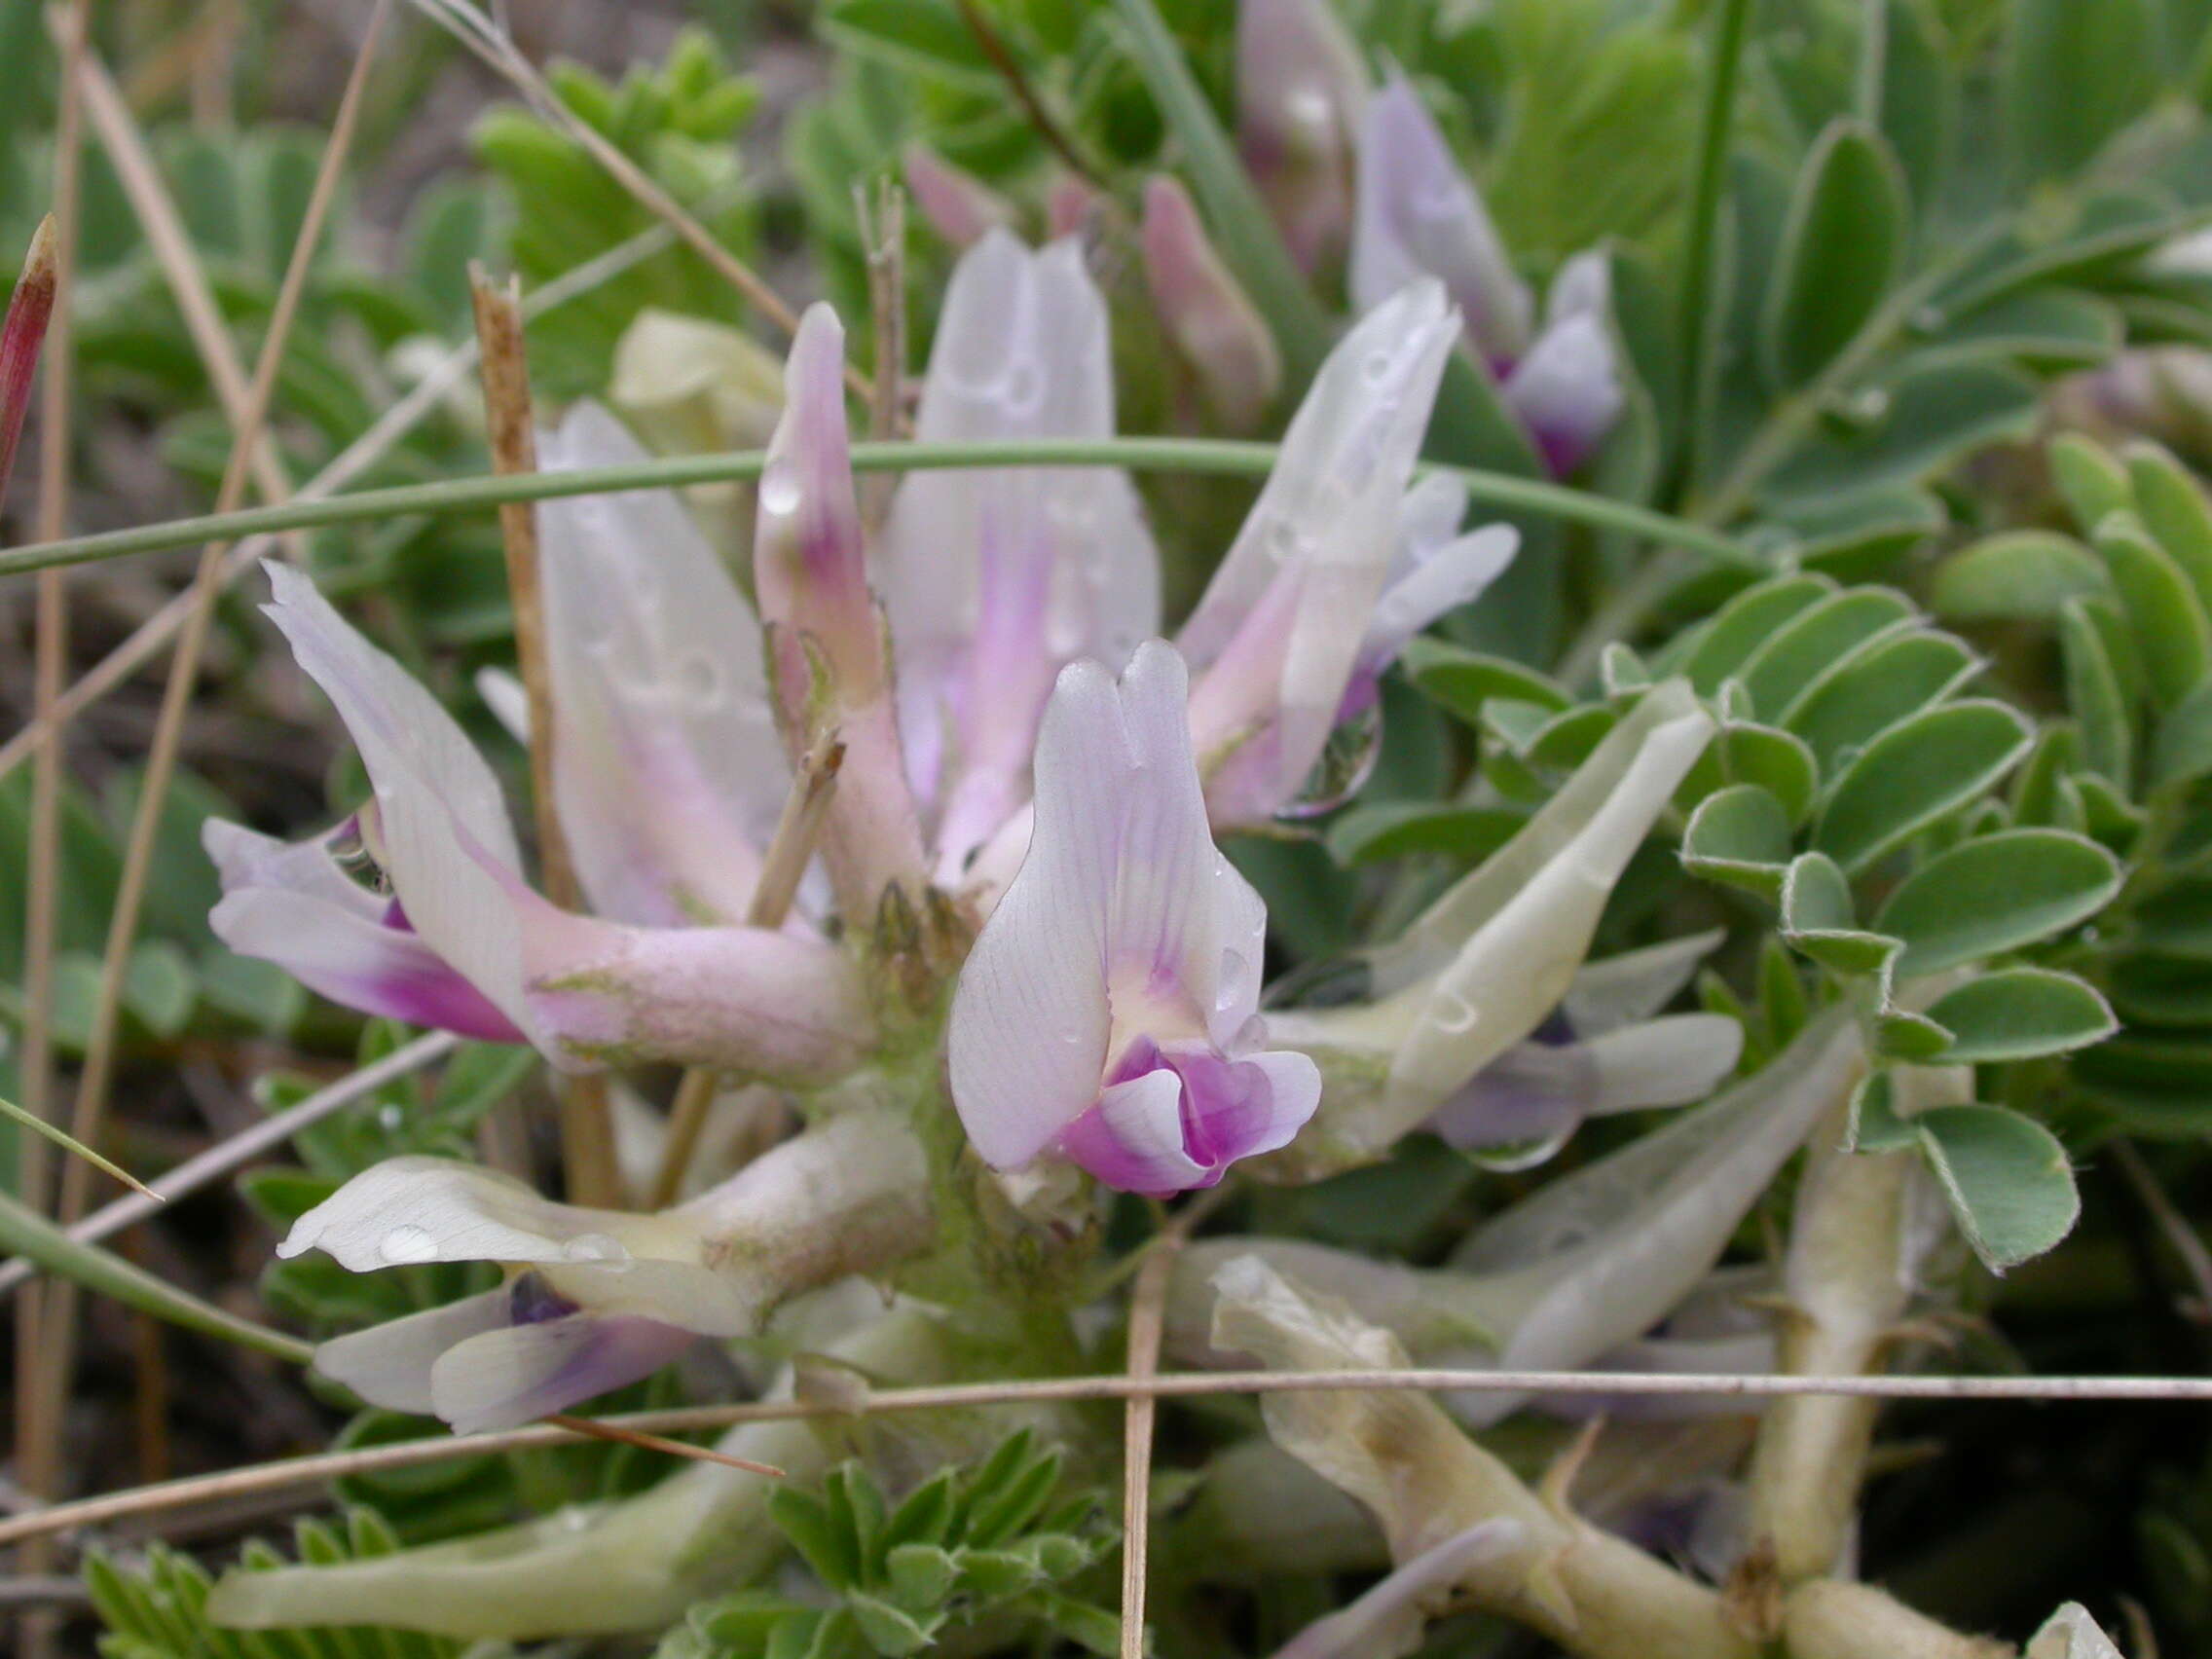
x=1361 y=183
x=1032 y=783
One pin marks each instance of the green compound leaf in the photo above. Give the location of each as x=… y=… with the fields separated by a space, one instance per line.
x=2008 y=1180
x=2019 y=1014
x=2181 y=744
x=2098 y=686
x=1395 y=830
x=1882 y=684
x=2075 y=75
x=1915 y=773
x=1995 y=894
x=1773 y=759
x=2095 y=485
x=2020 y=575
x=1911 y=429
x=1820 y=918
x=1739 y=835
x=1461 y=681
x=2167 y=618
x=2175 y=511
x=1741 y=626
x=1842 y=248
x=1779 y=672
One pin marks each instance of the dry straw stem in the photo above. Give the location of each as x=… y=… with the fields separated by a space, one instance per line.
x=799 y=827
x=961 y=1396
x=40 y=1450
x=47 y=1382
x=491 y=43
x=587 y=1121
x=380 y=437
x=227 y=1156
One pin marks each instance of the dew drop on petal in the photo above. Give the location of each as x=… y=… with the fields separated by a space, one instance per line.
x=407 y=1243
x=1454 y=1014
x=593 y=1247
x=1346 y=762
x=779 y=488
x=1511 y=1157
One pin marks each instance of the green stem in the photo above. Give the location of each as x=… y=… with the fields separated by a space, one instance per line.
x=1701 y=244
x=30 y=1235
x=1159 y=455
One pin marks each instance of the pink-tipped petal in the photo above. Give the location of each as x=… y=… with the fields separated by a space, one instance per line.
x=1207 y=313
x=1108 y=1009
x=290 y=904
x=1278 y=633
x=1300 y=90
x=1567 y=390
x=30 y=309
x=959 y=207
x=994 y=579
x=447 y=844
x=830 y=669
x=667 y=767
x=1418 y=214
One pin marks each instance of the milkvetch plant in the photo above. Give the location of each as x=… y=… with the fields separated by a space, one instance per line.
x=1643 y=819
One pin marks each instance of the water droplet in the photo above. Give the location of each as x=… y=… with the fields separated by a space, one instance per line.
x=1511 y=1157
x=389 y=1116
x=1375 y=368
x=1283 y=542
x=1454 y=1014
x=1930 y=320
x=593 y=1247
x=1857 y=411
x=407 y=1243
x=779 y=488
x=1347 y=760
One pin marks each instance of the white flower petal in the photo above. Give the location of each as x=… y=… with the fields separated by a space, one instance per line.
x=1278 y=633
x=1619 y=990
x=1390 y=1618
x=448 y=844
x=995 y=578
x=668 y=769
x=1124 y=912
x=1598 y=1257
x=407 y=1210
x=1567 y=390
x=1670 y=1061
x=2071 y=1634
x=290 y=904
x=389 y=1364
x=506 y=1377
x=1418 y=214
x=1026 y=1045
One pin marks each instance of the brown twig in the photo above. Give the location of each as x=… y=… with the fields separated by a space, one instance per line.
x=592 y=1428
x=789 y=849
x=587 y=1121
x=1048 y=1390
x=1017 y=82
x=363 y=453
x=241 y=1149
x=50 y=1381
x=38 y=1434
